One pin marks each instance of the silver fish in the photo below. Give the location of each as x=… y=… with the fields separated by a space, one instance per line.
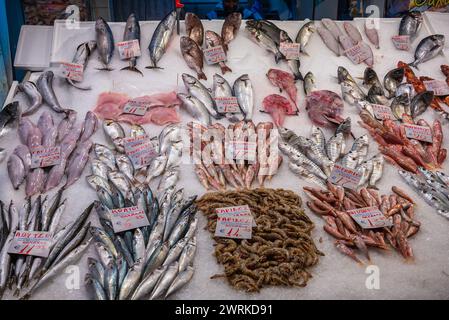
x=199 y=91
x=243 y=90
x=309 y=83
x=187 y=255
x=137 y=131
x=266 y=42
x=122 y=184
x=376 y=175
x=96 y=182
x=132 y=32
x=266 y=27
x=45 y=86
x=157 y=168
x=365 y=169
x=180 y=281
x=350 y=160
x=33 y=95
x=165 y=281
x=78 y=162
x=83 y=52
x=99 y=169
x=115 y=132
x=304 y=35
x=105 y=43
x=125 y=165
x=334 y=147
x=147 y=284
x=111 y=281
x=3 y=155
x=169 y=179
x=428 y=48
x=9 y=118
x=105 y=155
x=392 y=81
x=306 y=175
x=175 y=252
x=410 y=24
x=350 y=93
x=400 y=106
x=161 y=38
x=221 y=87
x=195 y=108
x=420 y=103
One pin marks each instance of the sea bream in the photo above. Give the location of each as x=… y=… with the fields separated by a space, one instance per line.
x=194 y=28
x=243 y=90
x=193 y=55
x=428 y=48
x=83 y=52
x=105 y=43
x=410 y=24
x=199 y=91
x=132 y=32
x=195 y=108
x=161 y=38
x=304 y=35
x=214 y=40
x=230 y=29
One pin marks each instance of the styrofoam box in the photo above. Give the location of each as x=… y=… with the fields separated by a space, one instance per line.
x=34 y=48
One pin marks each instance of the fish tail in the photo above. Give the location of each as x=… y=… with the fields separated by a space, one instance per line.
x=202 y=76
x=105 y=69
x=73 y=84
x=278 y=57
x=373 y=187
x=133 y=69
x=299 y=76
x=225 y=47
x=305 y=53
x=225 y=69
x=414 y=64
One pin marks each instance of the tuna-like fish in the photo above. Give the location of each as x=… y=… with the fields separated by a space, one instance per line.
x=45 y=86
x=83 y=52
x=105 y=43
x=132 y=32
x=161 y=38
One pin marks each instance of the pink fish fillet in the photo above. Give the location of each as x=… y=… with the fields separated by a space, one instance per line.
x=109 y=105
x=324 y=105
x=284 y=81
x=278 y=107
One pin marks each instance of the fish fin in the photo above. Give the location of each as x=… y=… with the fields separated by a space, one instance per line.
x=278 y=57
x=305 y=53
x=73 y=84
x=225 y=69
x=299 y=76
x=202 y=76
x=133 y=69
x=154 y=68
x=104 y=69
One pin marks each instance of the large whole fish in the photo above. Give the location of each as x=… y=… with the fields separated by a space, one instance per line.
x=304 y=35
x=199 y=91
x=410 y=25
x=243 y=90
x=33 y=95
x=266 y=42
x=195 y=108
x=294 y=64
x=428 y=49
x=266 y=27
x=9 y=117
x=105 y=43
x=194 y=28
x=230 y=28
x=132 y=32
x=161 y=38
x=214 y=40
x=83 y=52
x=329 y=40
x=193 y=55
x=45 y=86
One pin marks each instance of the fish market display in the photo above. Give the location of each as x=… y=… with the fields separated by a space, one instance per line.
x=396 y=213
x=281 y=249
x=314 y=158
x=194 y=28
x=433 y=187
x=45 y=86
x=230 y=29
x=105 y=43
x=153 y=261
x=132 y=32
x=9 y=118
x=161 y=39
x=161 y=108
x=74 y=146
x=193 y=55
x=33 y=95
x=428 y=49
x=83 y=52
x=43 y=214
x=221 y=159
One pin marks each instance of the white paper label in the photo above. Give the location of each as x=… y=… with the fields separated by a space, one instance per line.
x=42 y=157
x=128 y=219
x=382 y=112
x=234 y=223
x=347 y=178
x=439 y=88
x=370 y=218
x=290 y=50
x=137 y=108
x=418 y=133
x=72 y=71
x=141 y=151
x=401 y=42
x=358 y=53
x=215 y=55
x=227 y=105
x=31 y=243
x=129 y=49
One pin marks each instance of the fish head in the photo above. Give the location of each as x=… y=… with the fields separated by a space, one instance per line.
x=101 y=25
x=189 y=80
x=343 y=74
x=439 y=39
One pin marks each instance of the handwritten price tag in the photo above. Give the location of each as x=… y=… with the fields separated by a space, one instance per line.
x=215 y=55
x=234 y=223
x=370 y=218
x=31 y=243
x=137 y=108
x=141 y=151
x=418 y=133
x=129 y=49
x=358 y=53
x=347 y=178
x=227 y=105
x=439 y=88
x=72 y=71
x=42 y=157
x=290 y=50
x=401 y=42
x=382 y=112
x=128 y=219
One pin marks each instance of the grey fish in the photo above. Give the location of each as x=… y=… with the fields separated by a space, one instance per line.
x=125 y=166
x=132 y=32
x=90 y=126
x=9 y=118
x=243 y=90
x=169 y=179
x=304 y=35
x=115 y=132
x=266 y=42
x=105 y=155
x=45 y=86
x=161 y=38
x=194 y=28
x=3 y=155
x=193 y=56
x=420 y=103
x=16 y=171
x=187 y=255
x=105 y=43
x=195 y=108
x=131 y=280
x=351 y=93
x=306 y=174
x=410 y=24
x=428 y=48
x=33 y=95
x=83 y=52
x=370 y=77
x=165 y=281
x=266 y=27
x=180 y=281
x=376 y=175
x=392 y=80
x=309 y=83
x=97 y=286
x=156 y=168
x=199 y=91
x=111 y=281
x=147 y=284
x=294 y=64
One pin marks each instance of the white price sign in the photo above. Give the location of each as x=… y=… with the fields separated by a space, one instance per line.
x=141 y=151
x=382 y=112
x=128 y=219
x=227 y=105
x=358 y=53
x=31 y=243
x=72 y=71
x=129 y=49
x=370 y=218
x=347 y=178
x=42 y=157
x=290 y=50
x=215 y=55
x=234 y=223
x=439 y=88
x=401 y=42
x=418 y=133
